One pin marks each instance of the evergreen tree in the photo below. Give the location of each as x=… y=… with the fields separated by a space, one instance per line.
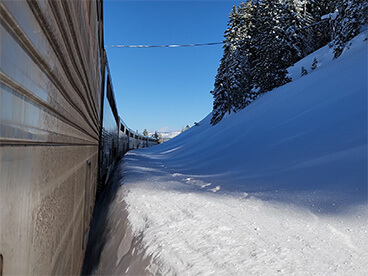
x=230 y=81
x=248 y=13
x=264 y=38
x=184 y=129
x=270 y=52
x=221 y=95
x=145 y=132
x=352 y=15
x=321 y=29
x=314 y=63
x=304 y=71
x=160 y=139
x=297 y=21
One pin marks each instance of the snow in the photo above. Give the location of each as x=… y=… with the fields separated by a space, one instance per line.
x=331 y=15
x=279 y=188
x=166 y=135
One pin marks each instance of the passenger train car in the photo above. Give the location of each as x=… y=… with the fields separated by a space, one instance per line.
x=116 y=137
x=60 y=132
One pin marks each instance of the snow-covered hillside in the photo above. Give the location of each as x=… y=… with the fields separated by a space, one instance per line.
x=279 y=188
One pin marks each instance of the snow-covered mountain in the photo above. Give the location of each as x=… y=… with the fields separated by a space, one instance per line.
x=167 y=135
x=170 y=134
x=279 y=188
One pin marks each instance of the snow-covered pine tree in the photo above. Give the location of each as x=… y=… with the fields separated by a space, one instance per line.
x=239 y=66
x=321 y=29
x=262 y=40
x=160 y=139
x=352 y=15
x=231 y=81
x=304 y=71
x=299 y=36
x=314 y=63
x=269 y=50
x=221 y=94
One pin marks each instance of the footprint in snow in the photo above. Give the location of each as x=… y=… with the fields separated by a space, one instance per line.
x=214 y=190
x=206 y=185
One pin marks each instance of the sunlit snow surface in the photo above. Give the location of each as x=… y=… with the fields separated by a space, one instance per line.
x=279 y=188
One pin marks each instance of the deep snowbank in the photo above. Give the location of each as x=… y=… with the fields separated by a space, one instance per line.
x=279 y=188
x=307 y=136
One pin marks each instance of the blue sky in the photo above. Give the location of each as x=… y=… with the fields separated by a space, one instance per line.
x=164 y=89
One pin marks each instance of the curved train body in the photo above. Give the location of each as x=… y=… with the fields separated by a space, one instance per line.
x=116 y=137
x=60 y=132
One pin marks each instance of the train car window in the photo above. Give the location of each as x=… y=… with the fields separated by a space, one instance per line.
x=111 y=98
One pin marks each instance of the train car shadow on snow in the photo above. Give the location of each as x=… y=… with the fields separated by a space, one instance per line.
x=303 y=188
x=112 y=248
x=97 y=233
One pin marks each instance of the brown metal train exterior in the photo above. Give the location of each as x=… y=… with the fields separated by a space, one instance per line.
x=57 y=141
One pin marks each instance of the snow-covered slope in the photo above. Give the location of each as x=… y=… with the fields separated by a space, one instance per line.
x=305 y=136
x=279 y=188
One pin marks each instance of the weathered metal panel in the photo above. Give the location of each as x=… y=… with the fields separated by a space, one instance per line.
x=50 y=103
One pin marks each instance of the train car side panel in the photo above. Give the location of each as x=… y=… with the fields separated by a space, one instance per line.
x=50 y=85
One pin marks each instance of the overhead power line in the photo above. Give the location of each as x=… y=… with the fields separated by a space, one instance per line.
x=165 y=45
x=201 y=44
